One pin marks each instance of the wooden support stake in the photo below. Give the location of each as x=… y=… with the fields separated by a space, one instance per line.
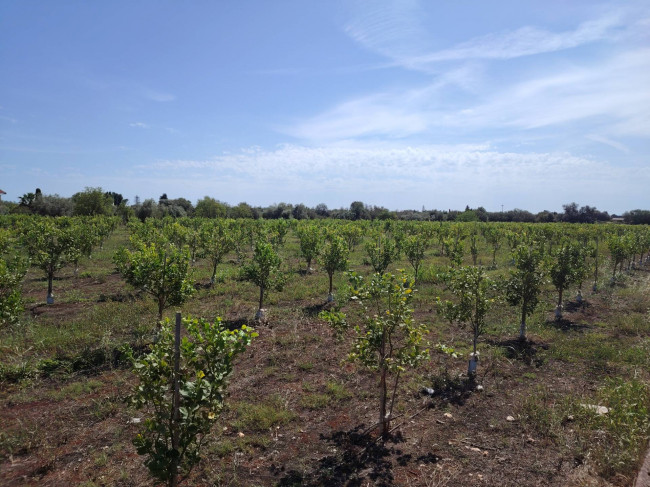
x=173 y=481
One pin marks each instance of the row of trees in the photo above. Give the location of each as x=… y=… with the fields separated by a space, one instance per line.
x=95 y=201
x=161 y=256
x=51 y=244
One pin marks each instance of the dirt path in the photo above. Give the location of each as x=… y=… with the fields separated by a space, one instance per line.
x=643 y=479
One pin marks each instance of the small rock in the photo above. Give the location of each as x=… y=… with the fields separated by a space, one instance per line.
x=135 y=420
x=600 y=410
x=530 y=439
x=448 y=416
x=428 y=391
x=240 y=434
x=510 y=418
x=479 y=388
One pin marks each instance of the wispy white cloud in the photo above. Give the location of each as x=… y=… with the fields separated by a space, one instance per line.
x=610 y=92
x=406 y=176
x=140 y=125
x=607 y=141
x=395 y=30
x=158 y=96
x=525 y=41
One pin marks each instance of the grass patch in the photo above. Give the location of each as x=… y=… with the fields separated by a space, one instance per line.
x=262 y=416
x=614 y=441
x=76 y=389
x=306 y=366
x=315 y=401
x=626 y=427
x=337 y=391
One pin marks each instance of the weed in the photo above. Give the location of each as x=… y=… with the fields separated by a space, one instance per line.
x=337 y=391
x=308 y=387
x=76 y=390
x=101 y=459
x=262 y=416
x=306 y=366
x=542 y=413
x=626 y=426
x=315 y=401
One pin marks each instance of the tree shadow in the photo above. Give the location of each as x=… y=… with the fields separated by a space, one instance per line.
x=567 y=325
x=523 y=350
x=573 y=306
x=203 y=285
x=120 y=297
x=359 y=456
x=315 y=309
x=236 y=324
x=455 y=390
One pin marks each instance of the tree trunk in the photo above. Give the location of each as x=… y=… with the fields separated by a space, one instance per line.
x=214 y=273
x=261 y=297
x=383 y=370
x=471 y=367
x=50 y=296
x=522 y=329
x=385 y=424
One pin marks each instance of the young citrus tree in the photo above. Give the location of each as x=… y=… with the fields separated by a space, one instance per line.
x=381 y=253
x=311 y=239
x=163 y=271
x=493 y=236
x=567 y=268
x=414 y=247
x=525 y=282
x=353 y=234
x=264 y=271
x=387 y=339
x=84 y=238
x=216 y=242
x=172 y=443
x=50 y=245
x=472 y=289
x=334 y=257
x=12 y=271
x=618 y=251
x=455 y=250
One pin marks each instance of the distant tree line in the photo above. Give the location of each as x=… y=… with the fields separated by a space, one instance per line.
x=95 y=201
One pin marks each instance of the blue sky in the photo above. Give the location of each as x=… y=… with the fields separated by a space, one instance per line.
x=401 y=104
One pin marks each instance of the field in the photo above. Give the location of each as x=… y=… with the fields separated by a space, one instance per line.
x=299 y=413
